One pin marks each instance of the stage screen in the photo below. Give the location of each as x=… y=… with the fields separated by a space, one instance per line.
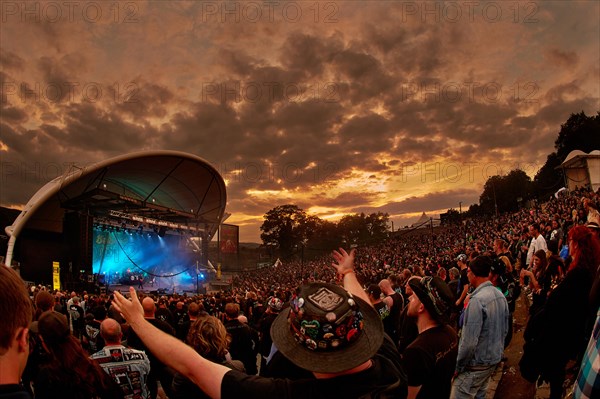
x=124 y=257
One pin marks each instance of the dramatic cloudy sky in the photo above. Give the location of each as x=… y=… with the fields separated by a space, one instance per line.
x=338 y=107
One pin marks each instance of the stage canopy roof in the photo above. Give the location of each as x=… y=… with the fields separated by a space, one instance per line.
x=170 y=189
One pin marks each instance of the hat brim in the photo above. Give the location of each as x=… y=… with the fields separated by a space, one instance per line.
x=355 y=354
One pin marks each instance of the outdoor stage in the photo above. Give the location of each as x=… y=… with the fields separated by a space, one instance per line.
x=161 y=288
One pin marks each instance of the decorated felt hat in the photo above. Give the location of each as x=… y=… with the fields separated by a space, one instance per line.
x=327 y=330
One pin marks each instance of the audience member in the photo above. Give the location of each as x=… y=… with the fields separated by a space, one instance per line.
x=242 y=345
x=482 y=339
x=158 y=370
x=129 y=368
x=67 y=372
x=209 y=338
x=17 y=311
x=430 y=360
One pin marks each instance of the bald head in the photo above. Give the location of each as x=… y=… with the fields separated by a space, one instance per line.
x=148 y=306
x=386 y=287
x=110 y=330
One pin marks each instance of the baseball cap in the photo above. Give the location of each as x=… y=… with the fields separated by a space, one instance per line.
x=462 y=258
x=327 y=330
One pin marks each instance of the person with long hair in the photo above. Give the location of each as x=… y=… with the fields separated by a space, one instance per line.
x=209 y=338
x=539 y=283
x=559 y=332
x=67 y=372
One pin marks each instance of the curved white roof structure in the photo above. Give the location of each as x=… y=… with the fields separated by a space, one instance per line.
x=582 y=169
x=175 y=189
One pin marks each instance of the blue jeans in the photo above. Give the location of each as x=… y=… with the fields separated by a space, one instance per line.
x=471 y=384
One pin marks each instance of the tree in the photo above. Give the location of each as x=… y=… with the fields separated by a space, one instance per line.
x=504 y=193
x=362 y=229
x=549 y=179
x=324 y=238
x=579 y=132
x=451 y=217
x=285 y=227
x=377 y=225
x=352 y=229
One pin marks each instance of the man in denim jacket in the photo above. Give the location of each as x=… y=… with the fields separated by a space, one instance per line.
x=482 y=341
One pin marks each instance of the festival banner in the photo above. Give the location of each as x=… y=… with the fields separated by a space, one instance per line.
x=230 y=236
x=56 y=275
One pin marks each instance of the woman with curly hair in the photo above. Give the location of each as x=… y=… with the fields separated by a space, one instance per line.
x=66 y=372
x=209 y=338
x=559 y=331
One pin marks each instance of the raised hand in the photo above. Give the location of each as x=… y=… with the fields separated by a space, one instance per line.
x=130 y=309
x=345 y=261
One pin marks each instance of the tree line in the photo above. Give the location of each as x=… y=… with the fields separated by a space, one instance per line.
x=288 y=230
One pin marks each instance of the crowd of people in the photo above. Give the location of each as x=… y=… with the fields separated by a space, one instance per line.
x=424 y=314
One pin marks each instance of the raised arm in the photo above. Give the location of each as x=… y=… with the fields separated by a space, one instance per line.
x=345 y=267
x=169 y=350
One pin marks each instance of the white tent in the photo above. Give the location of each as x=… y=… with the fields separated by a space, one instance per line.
x=422 y=222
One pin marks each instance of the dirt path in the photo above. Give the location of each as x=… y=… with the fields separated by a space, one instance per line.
x=512 y=385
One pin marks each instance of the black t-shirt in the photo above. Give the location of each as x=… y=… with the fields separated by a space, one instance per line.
x=407 y=330
x=165 y=315
x=430 y=361
x=462 y=282
x=383 y=380
x=95 y=342
x=397 y=308
x=265 y=330
x=13 y=391
x=243 y=346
